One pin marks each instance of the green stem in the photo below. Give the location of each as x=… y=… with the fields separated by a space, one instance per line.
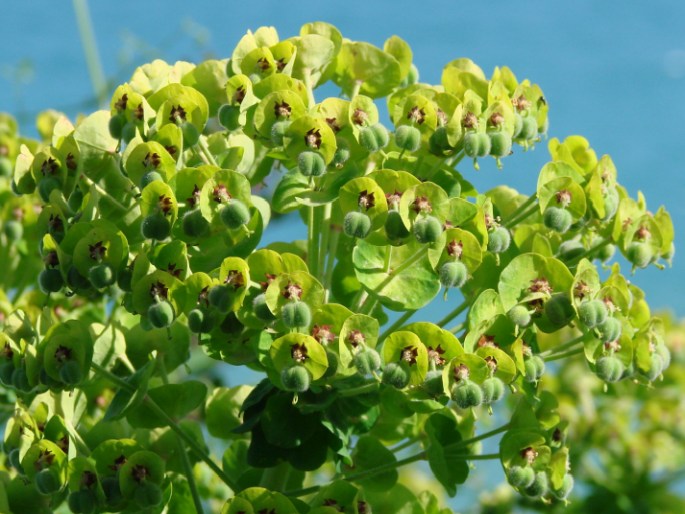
x=569 y=353
x=202 y=144
x=307 y=76
x=355 y=89
x=397 y=324
x=453 y=314
x=275 y=478
x=104 y=193
x=90 y=49
x=485 y=435
x=313 y=241
x=420 y=253
x=589 y=252
x=325 y=227
x=562 y=347
x=188 y=469
x=405 y=444
x=173 y=425
x=354 y=391
x=522 y=212
x=334 y=237
x=458 y=327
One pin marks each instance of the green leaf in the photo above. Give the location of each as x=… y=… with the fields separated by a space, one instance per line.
x=177 y=400
x=378 y=71
x=370 y=453
x=450 y=470
x=125 y=399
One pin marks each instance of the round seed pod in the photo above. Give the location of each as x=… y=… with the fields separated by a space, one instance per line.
x=521 y=476
x=116 y=125
x=147 y=495
x=112 y=490
x=220 y=298
x=535 y=368
x=6 y=371
x=200 y=321
x=609 y=330
x=639 y=254
x=161 y=314
x=261 y=309
x=606 y=252
x=50 y=280
x=229 y=117
x=374 y=138
x=559 y=309
x=20 y=380
x=476 y=144
x=82 y=501
x=278 y=131
x=101 y=276
x=129 y=132
x=194 y=225
x=453 y=274
x=191 y=135
x=529 y=128
x=565 y=489
x=235 y=214
x=150 y=177
x=433 y=383
x=570 y=250
x=557 y=219
x=367 y=361
x=70 y=373
x=296 y=315
x=47 y=482
x=296 y=378
x=499 y=240
x=395 y=375
x=656 y=367
x=611 y=201
x=467 y=394
x=408 y=138
x=394 y=226
x=500 y=144
x=539 y=487
x=155 y=226
x=341 y=156
x=493 y=390
x=46 y=185
x=609 y=368
x=427 y=229
x=357 y=224
x=519 y=315
x=518 y=125
x=592 y=313
x=311 y=164
x=124 y=278
x=438 y=142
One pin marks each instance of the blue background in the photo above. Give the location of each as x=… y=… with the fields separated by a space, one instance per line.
x=613 y=71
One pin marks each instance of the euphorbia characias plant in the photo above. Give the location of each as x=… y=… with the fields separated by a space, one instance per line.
x=132 y=245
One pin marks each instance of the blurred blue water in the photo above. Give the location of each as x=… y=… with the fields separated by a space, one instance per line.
x=611 y=71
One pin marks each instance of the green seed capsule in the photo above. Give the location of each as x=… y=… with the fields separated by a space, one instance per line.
x=467 y=394
x=396 y=375
x=557 y=219
x=235 y=214
x=609 y=330
x=427 y=229
x=220 y=298
x=535 y=368
x=47 y=482
x=296 y=315
x=570 y=250
x=160 y=314
x=500 y=144
x=50 y=280
x=559 y=309
x=606 y=252
x=14 y=459
x=367 y=361
x=539 y=487
x=656 y=367
x=394 y=226
x=609 y=368
x=529 y=128
x=124 y=278
x=374 y=138
x=261 y=309
x=149 y=177
x=116 y=125
x=565 y=489
x=342 y=154
x=518 y=125
x=155 y=226
x=493 y=390
x=194 y=225
x=278 y=131
x=20 y=380
x=200 y=321
x=101 y=276
x=639 y=254
x=611 y=201
x=453 y=274
x=357 y=224
x=46 y=186
x=112 y=490
x=476 y=144
x=408 y=138
x=499 y=240
x=83 y=501
x=592 y=313
x=191 y=135
x=311 y=164
x=296 y=378
x=438 y=143
x=14 y=230
x=433 y=383
x=229 y=117
x=519 y=315
x=147 y=495
x=70 y=373
x=75 y=199
x=520 y=476
x=129 y=131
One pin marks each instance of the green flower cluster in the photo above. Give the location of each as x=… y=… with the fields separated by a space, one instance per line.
x=141 y=227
